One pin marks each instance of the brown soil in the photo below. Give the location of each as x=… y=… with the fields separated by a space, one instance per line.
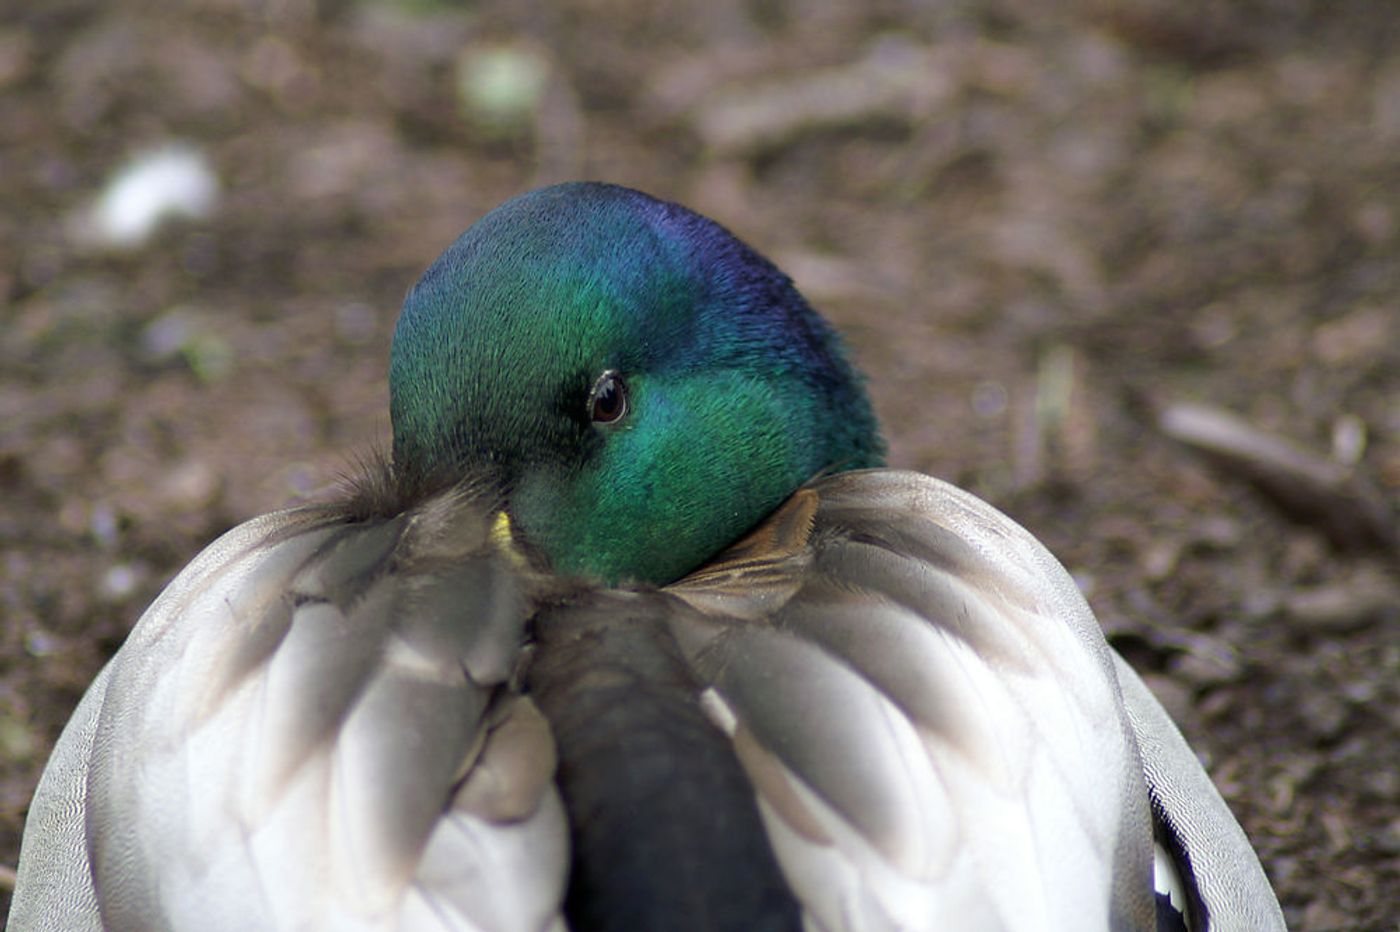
x=1038 y=223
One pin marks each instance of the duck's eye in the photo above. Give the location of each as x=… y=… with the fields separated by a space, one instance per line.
x=608 y=400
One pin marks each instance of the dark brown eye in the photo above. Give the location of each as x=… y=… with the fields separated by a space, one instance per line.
x=608 y=400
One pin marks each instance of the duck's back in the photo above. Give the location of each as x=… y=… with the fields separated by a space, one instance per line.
x=887 y=708
x=927 y=711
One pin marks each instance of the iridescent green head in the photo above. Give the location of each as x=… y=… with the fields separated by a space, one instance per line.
x=643 y=386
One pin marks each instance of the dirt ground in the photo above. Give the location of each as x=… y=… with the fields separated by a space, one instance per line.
x=1045 y=227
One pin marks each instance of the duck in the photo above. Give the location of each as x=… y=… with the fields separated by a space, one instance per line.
x=630 y=629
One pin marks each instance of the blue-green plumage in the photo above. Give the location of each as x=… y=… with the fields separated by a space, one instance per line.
x=738 y=390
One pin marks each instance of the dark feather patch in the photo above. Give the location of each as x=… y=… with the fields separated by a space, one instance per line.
x=666 y=831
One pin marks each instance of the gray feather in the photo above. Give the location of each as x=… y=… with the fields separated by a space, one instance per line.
x=1224 y=870
x=291 y=738
x=931 y=719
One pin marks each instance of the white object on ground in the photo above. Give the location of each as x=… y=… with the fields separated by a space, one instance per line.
x=171 y=181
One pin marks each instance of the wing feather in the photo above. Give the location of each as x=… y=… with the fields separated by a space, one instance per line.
x=317 y=726
x=314 y=727
x=930 y=718
x=1220 y=866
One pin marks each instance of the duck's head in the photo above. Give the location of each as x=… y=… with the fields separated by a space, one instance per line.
x=642 y=386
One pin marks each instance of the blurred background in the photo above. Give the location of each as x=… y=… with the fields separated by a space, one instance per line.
x=1130 y=269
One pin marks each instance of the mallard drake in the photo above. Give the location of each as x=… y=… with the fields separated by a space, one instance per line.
x=631 y=632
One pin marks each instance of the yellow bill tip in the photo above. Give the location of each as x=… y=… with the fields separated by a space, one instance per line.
x=503 y=537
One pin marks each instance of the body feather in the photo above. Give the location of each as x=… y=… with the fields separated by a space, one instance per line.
x=887 y=708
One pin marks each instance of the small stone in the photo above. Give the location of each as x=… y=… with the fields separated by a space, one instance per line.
x=355 y=323
x=102 y=524
x=1211 y=666
x=166 y=335
x=502 y=87
x=190 y=485
x=989 y=399
x=1384 y=785
x=120 y=581
x=17 y=741
x=1348 y=603
x=1160 y=559
x=1321 y=914
x=1388 y=838
x=1325 y=715
x=184 y=332
x=40 y=643
x=16 y=55
x=1348 y=439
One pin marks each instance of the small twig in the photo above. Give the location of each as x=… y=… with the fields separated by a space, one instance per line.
x=896 y=80
x=1306 y=485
